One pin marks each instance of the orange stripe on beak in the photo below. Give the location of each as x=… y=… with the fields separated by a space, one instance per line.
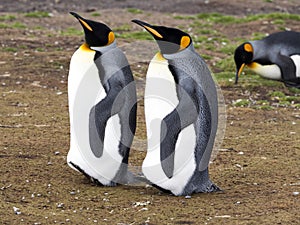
x=85 y=24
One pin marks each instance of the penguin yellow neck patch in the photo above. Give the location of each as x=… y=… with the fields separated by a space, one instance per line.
x=159 y=57
x=85 y=24
x=154 y=32
x=248 y=47
x=253 y=65
x=85 y=47
x=185 y=42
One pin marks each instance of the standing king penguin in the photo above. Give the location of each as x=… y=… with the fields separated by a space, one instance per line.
x=181 y=111
x=276 y=57
x=102 y=107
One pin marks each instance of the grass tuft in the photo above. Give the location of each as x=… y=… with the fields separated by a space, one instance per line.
x=134 y=11
x=7 y=18
x=139 y=35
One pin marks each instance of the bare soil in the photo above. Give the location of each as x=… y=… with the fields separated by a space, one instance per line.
x=257 y=165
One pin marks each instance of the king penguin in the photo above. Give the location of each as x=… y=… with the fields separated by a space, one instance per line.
x=181 y=112
x=276 y=57
x=102 y=106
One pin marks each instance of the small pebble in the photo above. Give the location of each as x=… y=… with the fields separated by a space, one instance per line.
x=16 y=210
x=188 y=197
x=295 y=193
x=60 y=205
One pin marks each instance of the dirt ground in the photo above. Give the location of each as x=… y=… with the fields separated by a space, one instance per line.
x=257 y=165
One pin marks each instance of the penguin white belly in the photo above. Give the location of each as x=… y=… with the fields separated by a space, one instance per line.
x=267 y=71
x=160 y=100
x=85 y=91
x=296 y=59
x=273 y=71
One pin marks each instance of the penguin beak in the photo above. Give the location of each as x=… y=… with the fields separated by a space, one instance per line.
x=238 y=72
x=149 y=28
x=82 y=21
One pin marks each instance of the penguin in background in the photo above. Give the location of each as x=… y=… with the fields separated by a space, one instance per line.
x=276 y=57
x=181 y=112
x=102 y=107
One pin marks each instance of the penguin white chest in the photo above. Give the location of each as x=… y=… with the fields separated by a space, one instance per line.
x=296 y=60
x=273 y=71
x=160 y=100
x=267 y=71
x=85 y=91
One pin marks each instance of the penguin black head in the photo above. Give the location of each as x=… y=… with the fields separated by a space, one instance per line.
x=243 y=55
x=169 y=40
x=96 y=34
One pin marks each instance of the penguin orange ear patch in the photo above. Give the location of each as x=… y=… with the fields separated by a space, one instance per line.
x=248 y=47
x=184 y=42
x=111 y=38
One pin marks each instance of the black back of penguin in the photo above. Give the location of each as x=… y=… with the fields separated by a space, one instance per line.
x=286 y=43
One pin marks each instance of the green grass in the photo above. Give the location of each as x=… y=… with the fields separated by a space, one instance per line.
x=276 y=94
x=71 y=32
x=277 y=18
x=134 y=11
x=9 y=49
x=184 y=17
x=242 y=103
x=295 y=91
x=3 y=25
x=226 y=65
x=95 y=14
x=37 y=14
x=124 y=27
x=16 y=25
x=225 y=78
x=7 y=17
x=138 y=35
x=39 y=49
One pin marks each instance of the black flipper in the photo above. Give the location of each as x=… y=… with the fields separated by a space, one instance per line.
x=288 y=70
x=183 y=115
x=99 y=116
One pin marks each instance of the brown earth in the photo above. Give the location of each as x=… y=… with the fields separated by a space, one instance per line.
x=257 y=165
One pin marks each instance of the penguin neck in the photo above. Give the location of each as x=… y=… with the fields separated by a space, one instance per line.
x=180 y=54
x=259 y=50
x=105 y=48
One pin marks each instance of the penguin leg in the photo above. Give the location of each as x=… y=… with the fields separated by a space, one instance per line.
x=99 y=116
x=288 y=69
x=182 y=116
x=128 y=125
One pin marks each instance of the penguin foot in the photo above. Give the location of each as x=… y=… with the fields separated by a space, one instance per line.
x=92 y=179
x=207 y=187
x=213 y=188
